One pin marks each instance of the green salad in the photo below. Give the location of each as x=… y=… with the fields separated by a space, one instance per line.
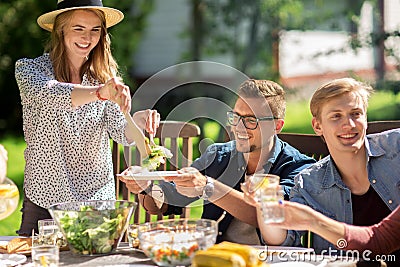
x=91 y=231
x=156 y=157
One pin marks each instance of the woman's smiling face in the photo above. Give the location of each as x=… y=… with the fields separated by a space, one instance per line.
x=81 y=34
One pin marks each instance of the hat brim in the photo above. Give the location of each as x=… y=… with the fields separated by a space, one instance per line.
x=113 y=16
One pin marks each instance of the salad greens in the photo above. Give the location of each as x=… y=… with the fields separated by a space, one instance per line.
x=156 y=157
x=91 y=231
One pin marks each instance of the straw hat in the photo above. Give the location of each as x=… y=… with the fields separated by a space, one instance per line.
x=113 y=16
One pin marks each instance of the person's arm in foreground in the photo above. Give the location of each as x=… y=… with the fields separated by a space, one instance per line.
x=380 y=238
x=113 y=90
x=117 y=92
x=302 y=217
x=191 y=182
x=272 y=235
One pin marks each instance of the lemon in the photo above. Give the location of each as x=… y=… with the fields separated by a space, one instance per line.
x=9 y=191
x=43 y=261
x=258 y=182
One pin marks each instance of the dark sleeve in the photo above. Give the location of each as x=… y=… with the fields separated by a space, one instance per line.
x=176 y=202
x=381 y=238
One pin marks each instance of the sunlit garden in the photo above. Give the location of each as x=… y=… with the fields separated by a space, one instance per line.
x=383 y=106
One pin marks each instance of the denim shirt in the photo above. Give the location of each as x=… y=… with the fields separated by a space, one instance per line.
x=321 y=187
x=223 y=162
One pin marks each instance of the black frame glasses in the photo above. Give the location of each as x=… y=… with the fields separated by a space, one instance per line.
x=250 y=122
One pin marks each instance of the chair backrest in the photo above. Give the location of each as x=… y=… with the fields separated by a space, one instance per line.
x=314 y=146
x=380 y=126
x=309 y=144
x=178 y=137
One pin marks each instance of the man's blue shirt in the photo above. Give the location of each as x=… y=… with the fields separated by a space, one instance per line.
x=223 y=162
x=321 y=187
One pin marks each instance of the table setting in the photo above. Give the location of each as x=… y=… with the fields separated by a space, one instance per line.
x=91 y=233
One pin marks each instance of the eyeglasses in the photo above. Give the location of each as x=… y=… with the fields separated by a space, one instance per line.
x=250 y=122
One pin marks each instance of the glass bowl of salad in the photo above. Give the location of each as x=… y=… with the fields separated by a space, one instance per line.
x=174 y=242
x=93 y=227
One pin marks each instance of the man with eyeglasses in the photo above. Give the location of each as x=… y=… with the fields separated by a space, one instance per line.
x=256 y=119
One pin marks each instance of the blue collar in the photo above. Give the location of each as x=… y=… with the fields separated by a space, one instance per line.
x=271 y=160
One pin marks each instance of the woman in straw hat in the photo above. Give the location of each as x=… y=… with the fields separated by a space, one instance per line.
x=72 y=102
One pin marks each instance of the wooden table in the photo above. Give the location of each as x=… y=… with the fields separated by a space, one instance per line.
x=126 y=257
x=123 y=257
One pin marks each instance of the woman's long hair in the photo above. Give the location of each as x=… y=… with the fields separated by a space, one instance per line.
x=100 y=64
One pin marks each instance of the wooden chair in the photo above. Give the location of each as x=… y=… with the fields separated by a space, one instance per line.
x=176 y=136
x=314 y=146
x=309 y=144
x=380 y=126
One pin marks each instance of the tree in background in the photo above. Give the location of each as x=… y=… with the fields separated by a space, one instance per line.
x=22 y=37
x=249 y=30
x=125 y=36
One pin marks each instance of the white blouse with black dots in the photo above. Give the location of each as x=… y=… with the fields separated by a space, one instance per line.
x=68 y=154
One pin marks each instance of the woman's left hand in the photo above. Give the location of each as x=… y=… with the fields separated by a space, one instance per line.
x=116 y=91
x=147 y=119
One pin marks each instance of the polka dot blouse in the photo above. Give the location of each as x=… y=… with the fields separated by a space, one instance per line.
x=68 y=154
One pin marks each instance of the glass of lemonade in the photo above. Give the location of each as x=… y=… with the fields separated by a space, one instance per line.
x=133 y=236
x=259 y=182
x=45 y=256
x=271 y=210
x=9 y=197
x=267 y=192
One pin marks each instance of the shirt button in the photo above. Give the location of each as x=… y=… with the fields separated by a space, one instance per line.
x=374 y=181
x=390 y=201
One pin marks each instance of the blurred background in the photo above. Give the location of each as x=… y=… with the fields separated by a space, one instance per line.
x=298 y=43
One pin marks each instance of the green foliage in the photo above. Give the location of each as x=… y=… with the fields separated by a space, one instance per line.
x=125 y=36
x=382 y=106
x=249 y=29
x=20 y=37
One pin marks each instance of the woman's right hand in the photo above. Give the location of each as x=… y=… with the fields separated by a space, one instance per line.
x=134 y=186
x=117 y=92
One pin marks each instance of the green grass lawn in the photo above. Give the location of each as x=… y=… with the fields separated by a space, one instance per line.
x=383 y=106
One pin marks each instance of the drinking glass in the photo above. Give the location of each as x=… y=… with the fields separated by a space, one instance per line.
x=9 y=197
x=265 y=189
x=50 y=234
x=133 y=237
x=271 y=211
x=260 y=181
x=45 y=256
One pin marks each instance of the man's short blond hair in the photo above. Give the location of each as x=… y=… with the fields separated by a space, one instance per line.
x=271 y=91
x=336 y=88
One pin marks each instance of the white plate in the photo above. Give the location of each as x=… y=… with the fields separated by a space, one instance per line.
x=156 y=175
x=11 y=259
x=279 y=249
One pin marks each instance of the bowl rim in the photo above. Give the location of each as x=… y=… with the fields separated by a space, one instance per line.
x=213 y=222
x=87 y=202
x=56 y=212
